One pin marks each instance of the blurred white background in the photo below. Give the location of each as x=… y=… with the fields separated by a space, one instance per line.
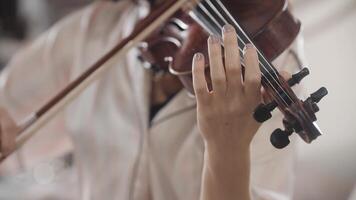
x=327 y=168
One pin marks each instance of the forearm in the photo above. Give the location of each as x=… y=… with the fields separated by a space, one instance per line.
x=226 y=174
x=224 y=116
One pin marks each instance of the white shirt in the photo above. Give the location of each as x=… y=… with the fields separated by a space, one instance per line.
x=118 y=155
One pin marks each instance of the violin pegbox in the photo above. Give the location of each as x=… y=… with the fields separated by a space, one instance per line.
x=299 y=116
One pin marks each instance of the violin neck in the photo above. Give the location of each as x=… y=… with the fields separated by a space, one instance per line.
x=213 y=15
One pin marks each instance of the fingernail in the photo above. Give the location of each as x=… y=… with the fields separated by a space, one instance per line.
x=198 y=56
x=249 y=46
x=228 y=28
x=214 y=39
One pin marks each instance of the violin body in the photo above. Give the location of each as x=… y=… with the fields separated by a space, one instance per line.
x=268 y=23
x=269 y=26
x=175 y=30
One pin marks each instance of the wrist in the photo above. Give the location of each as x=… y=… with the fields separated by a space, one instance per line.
x=227 y=145
x=226 y=153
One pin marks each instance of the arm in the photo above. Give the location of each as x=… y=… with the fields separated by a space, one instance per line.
x=225 y=117
x=226 y=174
x=35 y=74
x=38 y=70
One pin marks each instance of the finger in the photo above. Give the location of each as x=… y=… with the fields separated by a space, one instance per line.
x=265 y=96
x=232 y=59
x=8 y=130
x=285 y=75
x=252 y=82
x=199 y=82
x=7 y=141
x=217 y=70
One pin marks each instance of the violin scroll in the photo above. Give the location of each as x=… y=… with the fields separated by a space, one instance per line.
x=263 y=111
x=299 y=116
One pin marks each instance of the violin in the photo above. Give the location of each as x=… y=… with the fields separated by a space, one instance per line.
x=269 y=26
x=176 y=29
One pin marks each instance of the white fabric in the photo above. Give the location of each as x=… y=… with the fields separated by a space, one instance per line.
x=117 y=154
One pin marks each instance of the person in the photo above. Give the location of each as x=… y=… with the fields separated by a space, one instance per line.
x=119 y=152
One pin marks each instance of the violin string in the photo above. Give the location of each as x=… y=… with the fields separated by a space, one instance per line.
x=232 y=19
x=219 y=27
x=217 y=30
x=214 y=8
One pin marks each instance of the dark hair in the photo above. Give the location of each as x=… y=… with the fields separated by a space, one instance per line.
x=11 y=23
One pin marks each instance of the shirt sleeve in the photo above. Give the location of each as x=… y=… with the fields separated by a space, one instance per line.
x=272 y=170
x=40 y=69
x=33 y=76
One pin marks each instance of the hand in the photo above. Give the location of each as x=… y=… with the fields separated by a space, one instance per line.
x=8 y=133
x=225 y=114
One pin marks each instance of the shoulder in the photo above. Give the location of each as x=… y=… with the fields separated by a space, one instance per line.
x=102 y=25
x=91 y=23
x=107 y=16
x=56 y=37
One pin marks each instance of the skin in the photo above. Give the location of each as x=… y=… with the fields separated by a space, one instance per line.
x=8 y=132
x=225 y=117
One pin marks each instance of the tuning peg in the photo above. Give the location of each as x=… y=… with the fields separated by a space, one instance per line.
x=280 y=139
x=263 y=111
x=315 y=108
x=296 y=78
x=319 y=94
